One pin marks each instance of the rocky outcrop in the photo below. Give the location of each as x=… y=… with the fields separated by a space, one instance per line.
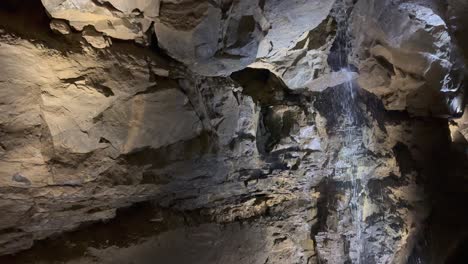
x=115 y=18
x=88 y=136
x=63 y=126
x=263 y=121
x=408 y=58
x=211 y=37
x=83 y=137
x=458 y=21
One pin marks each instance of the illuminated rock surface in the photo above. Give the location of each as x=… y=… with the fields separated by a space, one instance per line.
x=244 y=131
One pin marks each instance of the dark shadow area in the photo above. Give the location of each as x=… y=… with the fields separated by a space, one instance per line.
x=444 y=235
x=29 y=20
x=29 y=17
x=264 y=87
x=460 y=256
x=131 y=225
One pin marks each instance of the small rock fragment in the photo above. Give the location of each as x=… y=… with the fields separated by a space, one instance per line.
x=18 y=177
x=161 y=72
x=60 y=27
x=96 y=39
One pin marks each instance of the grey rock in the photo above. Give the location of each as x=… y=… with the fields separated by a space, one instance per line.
x=413 y=62
x=17 y=177
x=212 y=38
x=310 y=164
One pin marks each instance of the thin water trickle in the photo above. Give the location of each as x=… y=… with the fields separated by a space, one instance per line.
x=350 y=123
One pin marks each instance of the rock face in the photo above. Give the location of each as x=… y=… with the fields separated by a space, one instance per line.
x=458 y=22
x=412 y=62
x=53 y=143
x=287 y=127
x=117 y=19
x=211 y=37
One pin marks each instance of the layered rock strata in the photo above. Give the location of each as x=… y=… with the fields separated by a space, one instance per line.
x=320 y=161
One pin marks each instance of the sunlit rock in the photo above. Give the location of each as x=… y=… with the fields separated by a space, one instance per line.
x=122 y=21
x=96 y=39
x=60 y=26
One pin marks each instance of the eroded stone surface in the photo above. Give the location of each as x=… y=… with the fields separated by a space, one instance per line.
x=117 y=19
x=77 y=116
x=409 y=59
x=60 y=26
x=312 y=165
x=104 y=137
x=211 y=37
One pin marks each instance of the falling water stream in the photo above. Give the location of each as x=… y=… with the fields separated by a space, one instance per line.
x=351 y=132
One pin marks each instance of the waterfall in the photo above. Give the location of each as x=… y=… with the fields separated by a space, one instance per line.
x=351 y=126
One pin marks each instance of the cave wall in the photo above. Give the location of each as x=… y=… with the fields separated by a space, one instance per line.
x=236 y=110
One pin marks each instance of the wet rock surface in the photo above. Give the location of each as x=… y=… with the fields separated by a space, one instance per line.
x=248 y=131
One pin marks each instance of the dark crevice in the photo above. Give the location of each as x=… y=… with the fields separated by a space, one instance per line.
x=29 y=20
x=327 y=190
x=245 y=28
x=460 y=254
x=107 y=5
x=319 y=36
x=105 y=90
x=74 y=79
x=264 y=87
x=386 y=64
x=261 y=4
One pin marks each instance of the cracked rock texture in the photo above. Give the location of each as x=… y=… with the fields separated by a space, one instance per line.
x=408 y=58
x=279 y=131
x=210 y=37
x=115 y=18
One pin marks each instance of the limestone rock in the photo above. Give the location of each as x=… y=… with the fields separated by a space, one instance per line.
x=297 y=45
x=291 y=41
x=364 y=190
x=314 y=168
x=212 y=38
x=411 y=62
x=60 y=26
x=96 y=39
x=150 y=8
x=332 y=79
x=66 y=120
x=122 y=21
